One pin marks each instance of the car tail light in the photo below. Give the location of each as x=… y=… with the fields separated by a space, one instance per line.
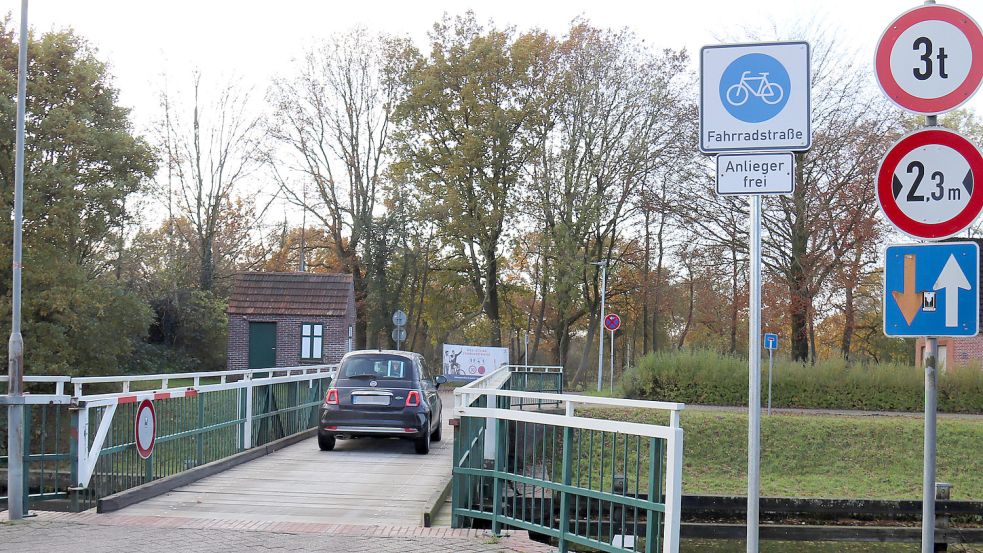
x=332 y=397
x=331 y=428
x=413 y=399
x=409 y=430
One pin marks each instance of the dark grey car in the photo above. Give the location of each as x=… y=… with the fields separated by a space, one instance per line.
x=382 y=394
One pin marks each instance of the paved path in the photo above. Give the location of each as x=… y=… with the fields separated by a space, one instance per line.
x=831 y=412
x=364 y=481
x=119 y=533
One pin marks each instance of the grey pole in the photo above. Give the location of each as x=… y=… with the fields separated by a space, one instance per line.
x=600 y=346
x=928 y=477
x=931 y=394
x=754 y=380
x=771 y=363
x=612 y=362
x=15 y=348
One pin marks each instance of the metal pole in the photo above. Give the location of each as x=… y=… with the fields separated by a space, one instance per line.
x=771 y=363
x=527 y=349
x=754 y=380
x=931 y=393
x=928 y=477
x=612 y=362
x=15 y=348
x=600 y=347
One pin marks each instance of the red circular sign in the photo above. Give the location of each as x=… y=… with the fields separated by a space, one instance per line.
x=930 y=59
x=612 y=322
x=145 y=429
x=927 y=184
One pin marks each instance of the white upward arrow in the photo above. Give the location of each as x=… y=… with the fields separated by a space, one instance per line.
x=952 y=279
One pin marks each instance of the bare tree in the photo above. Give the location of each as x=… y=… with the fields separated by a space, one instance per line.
x=211 y=146
x=333 y=121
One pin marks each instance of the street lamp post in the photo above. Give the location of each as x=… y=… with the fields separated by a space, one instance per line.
x=603 y=264
x=15 y=349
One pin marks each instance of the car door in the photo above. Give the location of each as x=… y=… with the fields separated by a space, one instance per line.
x=430 y=390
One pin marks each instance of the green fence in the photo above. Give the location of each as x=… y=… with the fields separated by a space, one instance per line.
x=605 y=485
x=84 y=449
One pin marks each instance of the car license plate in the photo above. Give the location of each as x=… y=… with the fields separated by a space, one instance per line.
x=370 y=400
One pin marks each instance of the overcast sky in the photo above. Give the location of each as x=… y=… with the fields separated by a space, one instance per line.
x=142 y=40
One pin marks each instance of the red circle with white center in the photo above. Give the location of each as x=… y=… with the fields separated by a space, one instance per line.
x=145 y=429
x=930 y=14
x=885 y=184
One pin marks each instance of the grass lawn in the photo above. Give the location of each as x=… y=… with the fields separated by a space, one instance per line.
x=821 y=456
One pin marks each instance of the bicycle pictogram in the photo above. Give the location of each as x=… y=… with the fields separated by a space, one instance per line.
x=759 y=86
x=754 y=88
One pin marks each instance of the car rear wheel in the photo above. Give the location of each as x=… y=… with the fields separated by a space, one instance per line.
x=423 y=442
x=326 y=443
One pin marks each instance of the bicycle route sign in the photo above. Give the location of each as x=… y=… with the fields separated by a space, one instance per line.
x=755 y=97
x=930 y=59
x=926 y=184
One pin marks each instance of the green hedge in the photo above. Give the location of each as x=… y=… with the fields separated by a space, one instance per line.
x=706 y=377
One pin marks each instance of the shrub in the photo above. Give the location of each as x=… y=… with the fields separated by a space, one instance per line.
x=706 y=377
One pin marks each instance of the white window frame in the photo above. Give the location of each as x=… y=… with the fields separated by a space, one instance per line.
x=311 y=341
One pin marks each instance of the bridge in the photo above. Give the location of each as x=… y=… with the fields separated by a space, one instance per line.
x=235 y=453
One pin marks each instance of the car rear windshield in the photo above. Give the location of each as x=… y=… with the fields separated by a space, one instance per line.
x=377 y=367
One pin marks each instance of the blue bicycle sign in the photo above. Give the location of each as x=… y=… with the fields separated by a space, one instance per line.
x=754 y=88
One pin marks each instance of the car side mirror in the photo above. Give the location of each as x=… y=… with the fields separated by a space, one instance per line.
x=439 y=379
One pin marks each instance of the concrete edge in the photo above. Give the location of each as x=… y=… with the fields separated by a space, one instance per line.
x=435 y=502
x=146 y=491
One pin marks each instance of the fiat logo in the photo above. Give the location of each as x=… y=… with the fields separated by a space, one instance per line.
x=373 y=383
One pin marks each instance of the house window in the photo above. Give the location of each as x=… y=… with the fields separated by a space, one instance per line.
x=311 y=340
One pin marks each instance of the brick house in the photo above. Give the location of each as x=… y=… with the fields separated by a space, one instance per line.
x=290 y=319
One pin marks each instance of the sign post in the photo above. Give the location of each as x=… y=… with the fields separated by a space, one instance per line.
x=771 y=344
x=612 y=322
x=929 y=60
x=755 y=99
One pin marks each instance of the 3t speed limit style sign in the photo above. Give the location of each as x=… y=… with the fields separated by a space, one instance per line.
x=930 y=59
x=926 y=184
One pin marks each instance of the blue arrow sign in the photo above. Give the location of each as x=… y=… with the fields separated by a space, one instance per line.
x=932 y=289
x=771 y=341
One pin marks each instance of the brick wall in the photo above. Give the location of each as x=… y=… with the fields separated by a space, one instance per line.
x=288 y=329
x=958 y=351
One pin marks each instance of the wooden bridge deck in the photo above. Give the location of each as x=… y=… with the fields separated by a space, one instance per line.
x=363 y=481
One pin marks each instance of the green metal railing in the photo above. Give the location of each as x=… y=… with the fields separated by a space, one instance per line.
x=84 y=449
x=607 y=485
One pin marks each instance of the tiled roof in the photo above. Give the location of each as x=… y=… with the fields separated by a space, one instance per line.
x=313 y=294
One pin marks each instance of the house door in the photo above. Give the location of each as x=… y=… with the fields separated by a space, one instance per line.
x=262 y=345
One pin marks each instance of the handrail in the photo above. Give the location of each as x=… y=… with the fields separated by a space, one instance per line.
x=164 y=378
x=196 y=377
x=576 y=398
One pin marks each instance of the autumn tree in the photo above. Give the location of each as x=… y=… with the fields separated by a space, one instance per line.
x=468 y=121
x=829 y=215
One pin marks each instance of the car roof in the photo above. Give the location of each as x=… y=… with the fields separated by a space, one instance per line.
x=409 y=354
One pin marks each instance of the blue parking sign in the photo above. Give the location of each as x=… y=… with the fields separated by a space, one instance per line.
x=771 y=341
x=932 y=289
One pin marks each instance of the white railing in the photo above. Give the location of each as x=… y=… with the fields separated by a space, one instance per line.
x=103 y=405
